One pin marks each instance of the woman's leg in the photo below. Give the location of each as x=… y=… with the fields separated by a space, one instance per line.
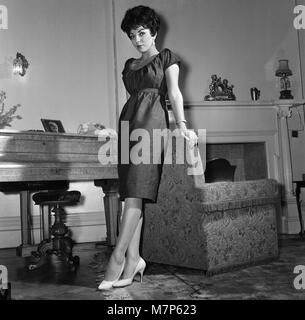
x=130 y=221
x=133 y=252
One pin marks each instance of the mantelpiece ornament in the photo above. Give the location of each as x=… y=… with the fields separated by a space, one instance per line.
x=220 y=90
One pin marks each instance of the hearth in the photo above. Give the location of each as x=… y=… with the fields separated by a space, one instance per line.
x=249 y=158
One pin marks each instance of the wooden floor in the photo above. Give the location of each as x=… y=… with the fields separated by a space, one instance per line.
x=53 y=281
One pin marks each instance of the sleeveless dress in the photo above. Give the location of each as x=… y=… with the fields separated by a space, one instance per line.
x=139 y=172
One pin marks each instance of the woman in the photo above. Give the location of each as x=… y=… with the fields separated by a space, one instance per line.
x=147 y=80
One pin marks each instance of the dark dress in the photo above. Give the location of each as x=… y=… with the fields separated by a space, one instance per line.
x=145 y=109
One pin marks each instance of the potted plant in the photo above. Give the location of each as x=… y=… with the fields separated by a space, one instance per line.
x=7 y=116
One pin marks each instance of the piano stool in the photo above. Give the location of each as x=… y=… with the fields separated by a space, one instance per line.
x=59 y=243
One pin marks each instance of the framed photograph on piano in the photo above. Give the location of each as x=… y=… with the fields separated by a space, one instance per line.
x=52 y=126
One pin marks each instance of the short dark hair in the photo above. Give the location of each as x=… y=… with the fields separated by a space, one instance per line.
x=140 y=16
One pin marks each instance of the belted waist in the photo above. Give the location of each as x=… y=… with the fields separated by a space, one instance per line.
x=155 y=90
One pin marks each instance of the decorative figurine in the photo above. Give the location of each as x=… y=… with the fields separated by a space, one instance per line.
x=255 y=93
x=220 y=90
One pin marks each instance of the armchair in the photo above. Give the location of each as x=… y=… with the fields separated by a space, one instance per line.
x=215 y=227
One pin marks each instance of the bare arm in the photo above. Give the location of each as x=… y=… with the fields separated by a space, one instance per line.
x=174 y=94
x=176 y=100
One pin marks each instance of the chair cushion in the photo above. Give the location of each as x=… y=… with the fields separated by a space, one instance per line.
x=56 y=197
x=221 y=196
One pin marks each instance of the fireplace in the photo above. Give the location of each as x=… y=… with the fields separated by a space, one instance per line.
x=249 y=158
x=253 y=135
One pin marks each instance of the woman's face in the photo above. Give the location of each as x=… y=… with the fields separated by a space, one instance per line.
x=142 y=39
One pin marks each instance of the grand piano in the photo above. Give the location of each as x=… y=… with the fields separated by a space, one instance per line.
x=32 y=161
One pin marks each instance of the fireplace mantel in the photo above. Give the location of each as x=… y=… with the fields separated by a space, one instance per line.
x=245 y=103
x=281 y=106
x=254 y=121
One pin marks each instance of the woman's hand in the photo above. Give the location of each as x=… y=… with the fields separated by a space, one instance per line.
x=189 y=135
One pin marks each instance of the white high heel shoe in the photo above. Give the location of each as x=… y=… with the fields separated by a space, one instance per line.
x=106 y=285
x=126 y=282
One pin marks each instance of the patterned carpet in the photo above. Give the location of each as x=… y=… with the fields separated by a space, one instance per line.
x=271 y=281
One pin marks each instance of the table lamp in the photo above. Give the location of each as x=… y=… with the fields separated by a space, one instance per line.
x=284 y=72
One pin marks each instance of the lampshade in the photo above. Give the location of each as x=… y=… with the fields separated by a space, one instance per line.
x=283 y=69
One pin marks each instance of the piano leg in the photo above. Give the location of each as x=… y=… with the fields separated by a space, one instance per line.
x=27 y=245
x=113 y=208
x=45 y=216
x=27 y=241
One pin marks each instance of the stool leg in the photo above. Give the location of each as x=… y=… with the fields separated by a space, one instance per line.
x=58 y=230
x=62 y=243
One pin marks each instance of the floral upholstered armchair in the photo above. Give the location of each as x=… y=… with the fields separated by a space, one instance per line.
x=215 y=227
